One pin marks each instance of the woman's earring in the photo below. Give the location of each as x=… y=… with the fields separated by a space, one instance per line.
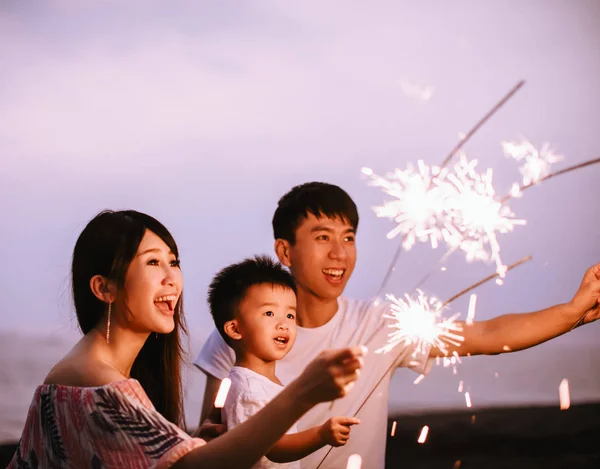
x=108 y=325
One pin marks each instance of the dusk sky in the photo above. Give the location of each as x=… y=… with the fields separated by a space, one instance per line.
x=203 y=114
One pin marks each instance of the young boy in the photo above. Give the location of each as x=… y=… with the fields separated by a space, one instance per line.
x=315 y=227
x=253 y=304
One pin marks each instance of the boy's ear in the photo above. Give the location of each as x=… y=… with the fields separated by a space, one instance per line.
x=282 y=249
x=232 y=329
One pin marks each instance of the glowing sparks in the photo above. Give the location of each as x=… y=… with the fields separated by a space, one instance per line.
x=419 y=322
x=393 y=432
x=423 y=434
x=354 y=462
x=419 y=379
x=460 y=385
x=478 y=214
x=418 y=208
x=222 y=393
x=471 y=310
x=536 y=163
x=468 y=399
x=456 y=206
x=564 y=394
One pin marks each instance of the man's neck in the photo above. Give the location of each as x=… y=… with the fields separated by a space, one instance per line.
x=258 y=365
x=313 y=311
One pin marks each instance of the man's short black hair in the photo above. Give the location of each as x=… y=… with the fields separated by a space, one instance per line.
x=229 y=287
x=320 y=199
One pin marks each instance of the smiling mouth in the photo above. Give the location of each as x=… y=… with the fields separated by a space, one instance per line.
x=334 y=274
x=281 y=340
x=168 y=300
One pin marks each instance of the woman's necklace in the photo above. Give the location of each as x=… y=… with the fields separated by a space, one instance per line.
x=119 y=370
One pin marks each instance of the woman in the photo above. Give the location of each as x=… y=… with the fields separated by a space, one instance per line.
x=115 y=399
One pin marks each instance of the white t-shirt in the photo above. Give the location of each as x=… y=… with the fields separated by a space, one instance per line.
x=250 y=392
x=355 y=323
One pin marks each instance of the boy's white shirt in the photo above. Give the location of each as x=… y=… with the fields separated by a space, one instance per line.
x=250 y=392
x=355 y=323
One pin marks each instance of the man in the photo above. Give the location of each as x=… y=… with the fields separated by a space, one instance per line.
x=315 y=227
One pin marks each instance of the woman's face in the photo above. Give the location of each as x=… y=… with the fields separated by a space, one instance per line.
x=153 y=285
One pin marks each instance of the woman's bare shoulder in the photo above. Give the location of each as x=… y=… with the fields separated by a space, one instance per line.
x=79 y=368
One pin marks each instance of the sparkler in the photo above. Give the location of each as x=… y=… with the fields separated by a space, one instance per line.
x=419 y=321
x=462 y=141
x=478 y=214
x=536 y=162
x=455 y=206
x=419 y=205
x=416 y=313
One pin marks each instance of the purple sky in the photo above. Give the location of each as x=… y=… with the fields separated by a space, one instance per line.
x=204 y=113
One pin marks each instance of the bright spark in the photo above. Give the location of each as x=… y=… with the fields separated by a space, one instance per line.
x=419 y=379
x=354 y=462
x=468 y=399
x=418 y=206
x=478 y=214
x=471 y=310
x=456 y=206
x=423 y=435
x=564 y=394
x=222 y=393
x=419 y=322
x=537 y=163
x=393 y=432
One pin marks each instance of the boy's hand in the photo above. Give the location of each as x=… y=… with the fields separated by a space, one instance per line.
x=211 y=427
x=336 y=431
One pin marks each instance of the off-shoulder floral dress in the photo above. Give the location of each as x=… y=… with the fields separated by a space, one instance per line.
x=108 y=426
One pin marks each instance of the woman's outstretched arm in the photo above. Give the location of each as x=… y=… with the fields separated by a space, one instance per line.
x=326 y=378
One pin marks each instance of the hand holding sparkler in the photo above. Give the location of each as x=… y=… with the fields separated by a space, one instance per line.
x=586 y=302
x=336 y=431
x=331 y=375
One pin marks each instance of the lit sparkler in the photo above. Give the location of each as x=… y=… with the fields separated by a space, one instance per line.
x=536 y=163
x=419 y=321
x=478 y=214
x=458 y=207
x=418 y=206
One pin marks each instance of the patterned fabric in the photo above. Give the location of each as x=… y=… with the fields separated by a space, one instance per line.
x=108 y=426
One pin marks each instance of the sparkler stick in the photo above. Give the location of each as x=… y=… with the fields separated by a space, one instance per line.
x=482 y=121
x=551 y=175
x=487 y=279
x=455 y=297
x=450 y=155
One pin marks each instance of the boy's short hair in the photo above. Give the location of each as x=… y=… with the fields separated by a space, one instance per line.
x=229 y=287
x=320 y=199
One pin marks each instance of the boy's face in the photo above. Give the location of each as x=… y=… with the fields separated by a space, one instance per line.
x=323 y=256
x=267 y=321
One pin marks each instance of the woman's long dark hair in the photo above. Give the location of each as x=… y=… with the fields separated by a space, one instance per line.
x=106 y=247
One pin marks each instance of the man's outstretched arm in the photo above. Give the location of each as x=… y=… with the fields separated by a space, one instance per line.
x=512 y=332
